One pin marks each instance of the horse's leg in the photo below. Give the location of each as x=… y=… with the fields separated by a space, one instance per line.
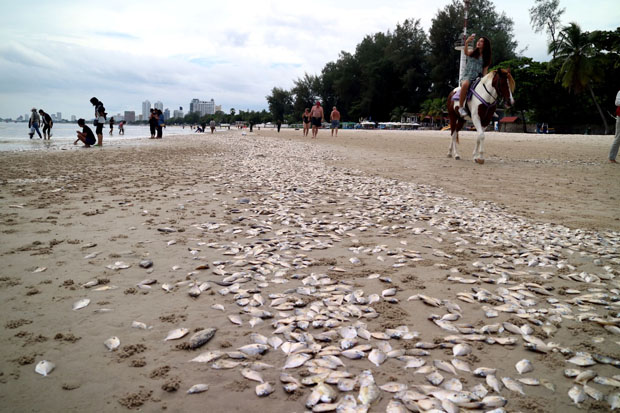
x=478 y=151
x=455 y=137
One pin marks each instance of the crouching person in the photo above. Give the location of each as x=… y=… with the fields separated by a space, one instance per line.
x=86 y=135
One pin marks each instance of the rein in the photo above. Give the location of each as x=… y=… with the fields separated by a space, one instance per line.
x=481 y=99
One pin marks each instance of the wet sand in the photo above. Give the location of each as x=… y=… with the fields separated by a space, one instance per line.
x=220 y=193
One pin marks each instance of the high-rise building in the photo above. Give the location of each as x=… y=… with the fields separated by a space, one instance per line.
x=73 y=119
x=130 y=116
x=218 y=108
x=202 y=107
x=166 y=114
x=158 y=105
x=178 y=113
x=146 y=109
x=58 y=116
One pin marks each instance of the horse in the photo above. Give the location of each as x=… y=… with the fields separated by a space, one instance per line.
x=485 y=97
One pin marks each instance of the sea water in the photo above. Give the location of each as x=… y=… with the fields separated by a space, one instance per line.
x=14 y=136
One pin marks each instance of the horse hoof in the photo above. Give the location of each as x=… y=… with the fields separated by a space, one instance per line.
x=479 y=161
x=457 y=157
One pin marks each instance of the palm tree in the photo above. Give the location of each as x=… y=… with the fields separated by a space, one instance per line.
x=576 y=52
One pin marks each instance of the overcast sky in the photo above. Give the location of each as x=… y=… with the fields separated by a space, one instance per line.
x=57 y=54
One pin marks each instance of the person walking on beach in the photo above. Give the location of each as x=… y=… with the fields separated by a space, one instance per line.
x=478 y=62
x=305 y=118
x=111 y=126
x=47 y=124
x=613 y=152
x=160 y=123
x=335 y=118
x=212 y=126
x=121 y=127
x=86 y=135
x=152 y=123
x=100 y=118
x=317 y=118
x=33 y=123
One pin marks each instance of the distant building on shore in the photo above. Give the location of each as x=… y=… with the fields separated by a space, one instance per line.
x=166 y=114
x=73 y=119
x=159 y=105
x=178 y=113
x=58 y=116
x=202 y=107
x=146 y=109
x=130 y=115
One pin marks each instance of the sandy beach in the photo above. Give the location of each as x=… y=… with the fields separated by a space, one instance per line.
x=266 y=222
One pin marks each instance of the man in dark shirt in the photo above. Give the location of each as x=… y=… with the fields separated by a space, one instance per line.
x=47 y=124
x=86 y=135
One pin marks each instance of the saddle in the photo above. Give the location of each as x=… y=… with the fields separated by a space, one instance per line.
x=470 y=92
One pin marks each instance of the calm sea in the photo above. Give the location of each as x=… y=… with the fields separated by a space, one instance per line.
x=14 y=136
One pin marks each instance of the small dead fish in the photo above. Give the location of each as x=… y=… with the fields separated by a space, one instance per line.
x=112 y=343
x=548 y=384
x=167 y=287
x=138 y=324
x=207 y=357
x=105 y=288
x=435 y=378
x=264 y=389
x=461 y=365
x=524 y=366
x=235 y=319
x=377 y=357
x=585 y=376
x=254 y=349
x=530 y=381
x=493 y=383
x=594 y=393
x=44 y=367
x=198 y=388
x=225 y=364
x=577 y=394
x=582 y=360
x=252 y=375
x=201 y=337
x=296 y=360
x=176 y=334
x=461 y=350
x=81 y=304
x=513 y=385
x=218 y=307
x=91 y=283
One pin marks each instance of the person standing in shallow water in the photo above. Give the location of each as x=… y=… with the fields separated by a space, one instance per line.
x=111 y=126
x=478 y=62
x=613 y=152
x=100 y=118
x=152 y=123
x=47 y=124
x=34 y=122
x=317 y=118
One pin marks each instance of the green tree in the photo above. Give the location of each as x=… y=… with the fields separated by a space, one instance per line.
x=232 y=112
x=305 y=92
x=280 y=103
x=545 y=15
x=575 y=51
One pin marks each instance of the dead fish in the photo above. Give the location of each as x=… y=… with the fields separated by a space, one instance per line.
x=594 y=393
x=264 y=389
x=377 y=357
x=513 y=385
x=577 y=394
x=548 y=384
x=44 y=367
x=493 y=383
x=91 y=283
x=198 y=388
x=105 y=288
x=524 y=366
x=435 y=378
x=530 y=381
x=225 y=364
x=81 y=304
x=582 y=359
x=252 y=375
x=614 y=400
x=461 y=365
x=235 y=319
x=195 y=291
x=444 y=366
x=218 y=307
x=393 y=387
x=112 y=343
x=606 y=381
x=207 y=357
x=453 y=384
x=369 y=392
x=585 y=376
x=296 y=360
x=176 y=334
x=484 y=371
x=201 y=337
x=140 y=325
x=395 y=406
x=254 y=349
x=461 y=350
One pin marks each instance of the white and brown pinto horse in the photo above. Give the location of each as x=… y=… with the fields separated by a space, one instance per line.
x=485 y=97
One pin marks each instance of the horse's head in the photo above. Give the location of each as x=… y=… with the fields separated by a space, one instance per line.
x=505 y=85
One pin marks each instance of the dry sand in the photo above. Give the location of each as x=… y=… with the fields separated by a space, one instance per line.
x=55 y=205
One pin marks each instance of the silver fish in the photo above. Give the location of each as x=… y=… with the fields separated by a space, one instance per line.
x=207 y=357
x=377 y=357
x=296 y=360
x=264 y=389
x=252 y=375
x=512 y=385
x=112 y=343
x=577 y=394
x=176 y=334
x=524 y=366
x=44 y=367
x=201 y=337
x=198 y=388
x=78 y=305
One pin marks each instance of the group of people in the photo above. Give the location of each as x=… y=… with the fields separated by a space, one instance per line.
x=86 y=134
x=35 y=121
x=315 y=117
x=156 y=123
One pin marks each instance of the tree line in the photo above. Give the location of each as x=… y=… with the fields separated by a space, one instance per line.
x=406 y=70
